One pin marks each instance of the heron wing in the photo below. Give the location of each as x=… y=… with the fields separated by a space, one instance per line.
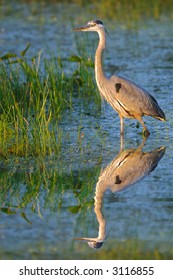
x=132 y=99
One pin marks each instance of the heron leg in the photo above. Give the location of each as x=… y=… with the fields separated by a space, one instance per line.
x=145 y=131
x=121 y=133
x=121 y=125
x=122 y=142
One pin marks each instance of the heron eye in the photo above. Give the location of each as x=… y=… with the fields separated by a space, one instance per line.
x=92 y=24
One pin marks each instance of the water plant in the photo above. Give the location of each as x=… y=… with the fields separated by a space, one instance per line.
x=34 y=93
x=123 y=10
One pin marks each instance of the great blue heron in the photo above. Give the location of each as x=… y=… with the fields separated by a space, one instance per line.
x=127 y=98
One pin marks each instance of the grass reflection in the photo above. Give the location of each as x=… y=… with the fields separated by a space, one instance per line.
x=48 y=188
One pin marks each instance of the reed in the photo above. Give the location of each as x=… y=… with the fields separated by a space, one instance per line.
x=121 y=9
x=34 y=94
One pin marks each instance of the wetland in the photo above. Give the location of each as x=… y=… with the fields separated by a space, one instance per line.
x=66 y=186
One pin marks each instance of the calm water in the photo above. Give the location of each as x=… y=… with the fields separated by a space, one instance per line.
x=119 y=201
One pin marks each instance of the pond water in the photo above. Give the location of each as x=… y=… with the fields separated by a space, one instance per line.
x=95 y=195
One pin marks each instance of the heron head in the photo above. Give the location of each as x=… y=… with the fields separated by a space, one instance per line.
x=93 y=25
x=94 y=243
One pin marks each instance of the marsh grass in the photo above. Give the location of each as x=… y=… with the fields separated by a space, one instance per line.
x=122 y=10
x=130 y=11
x=34 y=94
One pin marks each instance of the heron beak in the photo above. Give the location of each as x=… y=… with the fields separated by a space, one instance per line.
x=86 y=239
x=82 y=28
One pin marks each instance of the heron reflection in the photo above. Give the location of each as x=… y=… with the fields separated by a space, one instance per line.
x=128 y=167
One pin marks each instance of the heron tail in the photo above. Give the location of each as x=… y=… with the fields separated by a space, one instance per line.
x=161 y=116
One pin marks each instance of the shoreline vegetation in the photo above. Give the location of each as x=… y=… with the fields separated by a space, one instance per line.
x=121 y=10
x=34 y=94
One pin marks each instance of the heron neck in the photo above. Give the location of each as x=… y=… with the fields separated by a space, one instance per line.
x=99 y=73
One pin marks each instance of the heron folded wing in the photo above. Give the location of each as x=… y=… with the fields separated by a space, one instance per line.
x=134 y=99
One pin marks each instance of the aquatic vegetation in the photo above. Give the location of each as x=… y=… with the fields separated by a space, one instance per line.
x=34 y=93
x=134 y=10
x=122 y=10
